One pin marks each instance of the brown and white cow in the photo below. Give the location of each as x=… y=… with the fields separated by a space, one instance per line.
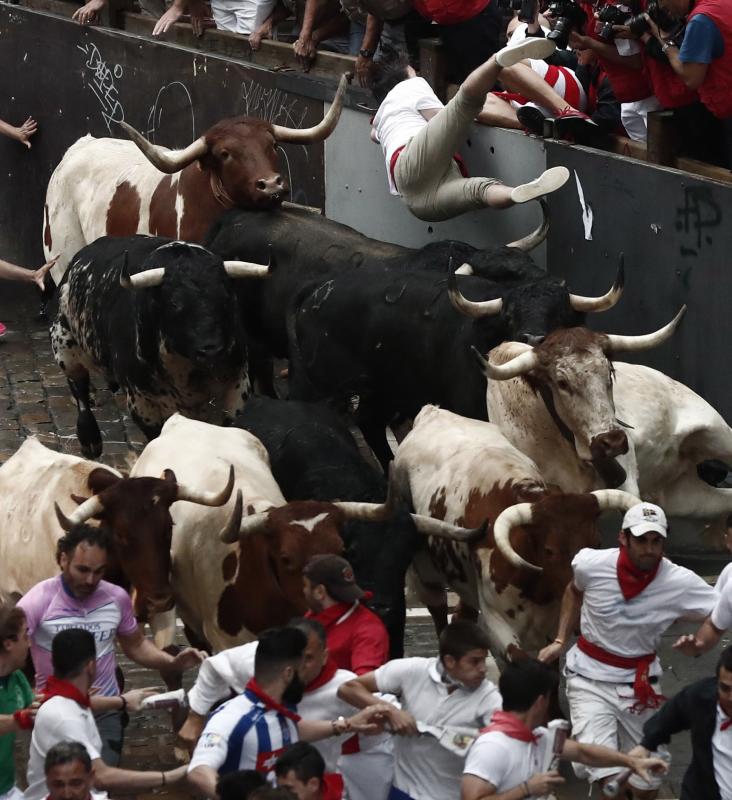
x=555 y=403
x=110 y=187
x=238 y=569
x=465 y=472
x=40 y=490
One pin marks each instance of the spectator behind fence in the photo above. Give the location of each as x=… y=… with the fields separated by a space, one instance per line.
x=65 y=715
x=22 y=133
x=69 y=773
x=420 y=137
x=704 y=59
x=78 y=597
x=15 y=693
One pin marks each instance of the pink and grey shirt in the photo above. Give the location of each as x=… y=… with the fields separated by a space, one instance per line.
x=50 y=608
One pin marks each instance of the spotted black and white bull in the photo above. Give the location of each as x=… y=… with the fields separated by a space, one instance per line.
x=45 y=493
x=238 y=569
x=110 y=187
x=465 y=471
x=396 y=342
x=159 y=319
x=314 y=457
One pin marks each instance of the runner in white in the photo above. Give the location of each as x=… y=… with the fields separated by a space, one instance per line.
x=449 y=690
x=624 y=599
x=512 y=759
x=253 y=729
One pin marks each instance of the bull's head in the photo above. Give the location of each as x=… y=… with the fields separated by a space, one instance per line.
x=195 y=309
x=544 y=536
x=137 y=513
x=572 y=371
x=532 y=310
x=240 y=155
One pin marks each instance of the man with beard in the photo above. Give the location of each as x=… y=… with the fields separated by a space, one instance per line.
x=625 y=600
x=450 y=690
x=253 y=729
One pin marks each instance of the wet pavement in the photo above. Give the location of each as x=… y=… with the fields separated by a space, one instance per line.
x=34 y=400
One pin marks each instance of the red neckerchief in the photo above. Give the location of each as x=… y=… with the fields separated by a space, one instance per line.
x=509 y=724
x=724 y=724
x=55 y=687
x=328 y=671
x=328 y=616
x=332 y=786
x=254 y=688
x=631 y=579
x=646 y=696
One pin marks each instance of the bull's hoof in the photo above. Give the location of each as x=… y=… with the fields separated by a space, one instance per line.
x=90 y=437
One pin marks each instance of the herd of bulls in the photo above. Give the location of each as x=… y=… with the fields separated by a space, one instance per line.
x=251 y=487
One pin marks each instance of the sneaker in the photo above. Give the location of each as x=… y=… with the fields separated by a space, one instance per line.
x=526 y=48
x=547 y=182
x=572 y=124
x=532 y=119
x=3 y=329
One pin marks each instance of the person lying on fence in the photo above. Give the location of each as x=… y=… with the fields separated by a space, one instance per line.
x=22 y=133
x=420 y=137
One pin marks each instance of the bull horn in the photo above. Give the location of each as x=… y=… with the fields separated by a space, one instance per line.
x=166 y=160
x=535 y=238
x=373 y=512
x=230 y=532
x=85 y=511
x=208 y=498
x=246 y=269
x=465 y=269
x=321 y=131
x=142 y=280
x=484 y=308
x=605 y=301
x=509 y=518
x=618 y=344
x=519 y=365
x=429 y=526
x=609 y=499
x=253 y=523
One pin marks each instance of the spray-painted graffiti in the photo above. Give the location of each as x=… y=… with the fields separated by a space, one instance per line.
x=696 y=219
x=100 y=78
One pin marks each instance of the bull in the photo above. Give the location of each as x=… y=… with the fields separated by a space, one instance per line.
x=238 y=569
x=462 y=471
x=41 y=489
x=396 y=342
x=118 y=188
x=160 y=320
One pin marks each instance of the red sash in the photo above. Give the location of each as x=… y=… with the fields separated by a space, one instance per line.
x=646 y=696
x=509 y=724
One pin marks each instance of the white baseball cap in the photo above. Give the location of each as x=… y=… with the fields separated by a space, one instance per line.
x=645 y=517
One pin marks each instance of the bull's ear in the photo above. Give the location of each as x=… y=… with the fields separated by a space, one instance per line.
x=100 y=479
x=169 y=476
x=78 y=499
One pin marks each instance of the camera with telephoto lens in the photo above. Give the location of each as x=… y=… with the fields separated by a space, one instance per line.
x=639 y=23
x=568 y=17
x=607 y=17
x=526 y=8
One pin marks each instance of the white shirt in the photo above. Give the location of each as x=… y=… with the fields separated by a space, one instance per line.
x=722 y=756
x=631 y=627
x=232 y=669
x=243 y=734
x=398 y=118
x=722 y=614
x=59 y=719
x=506 y=762
x=424 y=769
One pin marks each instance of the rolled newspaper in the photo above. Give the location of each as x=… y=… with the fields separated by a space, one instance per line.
x=558 y=731
x=166 y=700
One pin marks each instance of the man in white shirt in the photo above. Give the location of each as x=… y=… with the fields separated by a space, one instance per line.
x=420 y=137
x=231 y=670
x=625 y=600
x=450 y=690
x=512 y=759
x=66 y=716
x=252 y=730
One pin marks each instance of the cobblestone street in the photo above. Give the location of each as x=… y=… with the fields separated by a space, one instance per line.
x=35 y=400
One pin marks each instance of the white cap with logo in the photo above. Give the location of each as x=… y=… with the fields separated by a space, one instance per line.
x=645 y=517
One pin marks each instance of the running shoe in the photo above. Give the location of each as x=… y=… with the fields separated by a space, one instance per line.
x=546 y=183
x=526 y=48
x=532 y=119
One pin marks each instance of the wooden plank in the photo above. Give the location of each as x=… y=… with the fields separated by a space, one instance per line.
x=433 y=65
x=702 y=168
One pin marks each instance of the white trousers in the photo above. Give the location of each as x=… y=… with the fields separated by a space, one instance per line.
x=634 y=117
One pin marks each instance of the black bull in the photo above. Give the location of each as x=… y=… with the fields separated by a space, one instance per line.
x=314 y=457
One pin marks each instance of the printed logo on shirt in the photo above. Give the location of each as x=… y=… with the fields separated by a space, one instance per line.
x=209 y=740
x=266 y=760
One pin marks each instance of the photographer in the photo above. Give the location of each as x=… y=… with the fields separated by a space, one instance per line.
x=621 y=60
x=703 y=61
